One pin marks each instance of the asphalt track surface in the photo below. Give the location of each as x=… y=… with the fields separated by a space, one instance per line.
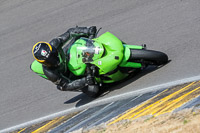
x=171 y=26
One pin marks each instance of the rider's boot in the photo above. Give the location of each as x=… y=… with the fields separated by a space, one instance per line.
x=91 y=90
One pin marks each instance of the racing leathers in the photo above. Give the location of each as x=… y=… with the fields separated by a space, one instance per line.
x=60 y=75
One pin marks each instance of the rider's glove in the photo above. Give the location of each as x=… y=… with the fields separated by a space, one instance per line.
x=83 y=31
x=90 y=80
x=61 y=88
x=61 y=84
x=92 y=30
x=78 y=31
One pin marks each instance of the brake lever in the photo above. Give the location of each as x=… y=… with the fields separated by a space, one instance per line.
x=98 y=31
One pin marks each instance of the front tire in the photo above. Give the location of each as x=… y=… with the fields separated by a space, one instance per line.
x=148 y=57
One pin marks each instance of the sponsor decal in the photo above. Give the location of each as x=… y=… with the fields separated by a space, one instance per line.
x=44 y=53
x=99 y=62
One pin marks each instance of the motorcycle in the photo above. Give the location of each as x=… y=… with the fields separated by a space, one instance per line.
x=108 y=59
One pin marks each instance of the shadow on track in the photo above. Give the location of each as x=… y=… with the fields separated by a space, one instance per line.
x=84 y=99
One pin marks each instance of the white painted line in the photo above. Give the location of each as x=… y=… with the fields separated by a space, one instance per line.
x=105 y=100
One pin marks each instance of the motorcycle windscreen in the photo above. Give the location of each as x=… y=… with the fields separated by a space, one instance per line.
x=89 y=53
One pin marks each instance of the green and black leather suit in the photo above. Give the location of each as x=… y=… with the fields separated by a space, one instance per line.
x=60 y=75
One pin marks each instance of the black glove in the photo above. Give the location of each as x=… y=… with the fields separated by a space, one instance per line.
x=83 y=31
x=92 y=30
x=78 y=31
x=61 y=88
x=62 y=83
x=90 y=80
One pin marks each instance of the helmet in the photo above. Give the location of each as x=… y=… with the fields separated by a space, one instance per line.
x=46 y=54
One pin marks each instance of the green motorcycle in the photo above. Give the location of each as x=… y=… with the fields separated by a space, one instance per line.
x=113 y=59
x=107 y=59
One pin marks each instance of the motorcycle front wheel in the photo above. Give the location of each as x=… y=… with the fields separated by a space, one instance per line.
x=148 y=57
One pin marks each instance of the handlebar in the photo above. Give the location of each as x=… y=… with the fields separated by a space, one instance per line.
x=94 y=36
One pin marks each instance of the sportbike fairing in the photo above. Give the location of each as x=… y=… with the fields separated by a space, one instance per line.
x=88 y=51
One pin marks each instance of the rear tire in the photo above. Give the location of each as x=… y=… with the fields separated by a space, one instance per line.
x=148 y=57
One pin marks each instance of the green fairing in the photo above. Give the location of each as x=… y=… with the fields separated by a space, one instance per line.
x=113 y=53
x=115 y=48
x=125 y=62
x=115 y=77
x=133 y=46
x=113 y=56
x=76 y=68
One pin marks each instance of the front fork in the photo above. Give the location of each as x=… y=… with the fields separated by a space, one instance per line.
x=127 y=53
x=142 y=47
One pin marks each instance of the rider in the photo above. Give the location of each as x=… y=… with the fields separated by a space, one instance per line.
x=54 y=60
